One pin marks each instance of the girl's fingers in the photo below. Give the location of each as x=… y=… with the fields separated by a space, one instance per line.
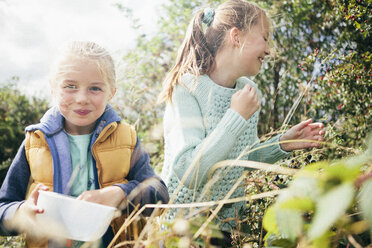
x=316 y=132
x=238 y=92
x=303 y=124
x=37 y=209
x=307 y=122
x=315 y=144
x=247 y=87
x=316 y=125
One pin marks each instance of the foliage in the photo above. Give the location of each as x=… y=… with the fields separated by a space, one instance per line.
x=16 y=112
x=13 y=241
x=302 y=29
x=321 y=206
x=320 y=68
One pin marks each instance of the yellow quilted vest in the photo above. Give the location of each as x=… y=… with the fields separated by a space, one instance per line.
x=112 y=152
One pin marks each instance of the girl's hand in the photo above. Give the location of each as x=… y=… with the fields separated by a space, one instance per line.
x=245 y=101
x=24 y=219
x=304 y=130
x=110 y=196
x=29 y=207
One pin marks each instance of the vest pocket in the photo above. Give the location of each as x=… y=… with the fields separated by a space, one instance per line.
x=116 y=164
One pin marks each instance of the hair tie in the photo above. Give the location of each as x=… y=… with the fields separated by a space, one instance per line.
x=208 y=16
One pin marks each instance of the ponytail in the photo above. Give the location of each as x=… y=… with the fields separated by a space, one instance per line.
x=197 y=53
x=193 y=57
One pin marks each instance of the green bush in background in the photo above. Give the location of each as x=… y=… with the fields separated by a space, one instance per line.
x=17 y=111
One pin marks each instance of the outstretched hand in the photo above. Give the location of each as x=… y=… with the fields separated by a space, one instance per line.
x=305 y=130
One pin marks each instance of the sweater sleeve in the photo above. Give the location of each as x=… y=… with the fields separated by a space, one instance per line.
x=13 y=189
x=144 y=186
x=185 y=139
x=268 y=152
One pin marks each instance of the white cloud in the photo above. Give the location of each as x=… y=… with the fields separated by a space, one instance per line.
x=32 y=30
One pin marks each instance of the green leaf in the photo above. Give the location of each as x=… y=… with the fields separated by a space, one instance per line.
x=323 y=241
x=272 y=241
x=269 y=222
x=329 y=208
x=343 y=171
x=285 y=243
x=298 y=203
x=289 y=223
x=366 y=201
x=301 y=187
x=357 y=25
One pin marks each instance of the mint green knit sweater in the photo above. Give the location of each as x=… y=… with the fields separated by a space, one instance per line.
x=200 y=130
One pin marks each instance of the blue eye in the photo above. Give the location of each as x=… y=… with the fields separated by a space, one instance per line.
x=95 y=89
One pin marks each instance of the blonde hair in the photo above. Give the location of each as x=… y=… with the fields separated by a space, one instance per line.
x=85 y=50
x=199 y=48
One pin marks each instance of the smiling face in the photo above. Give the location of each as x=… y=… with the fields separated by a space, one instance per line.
x=255 y=48
x=82 y=95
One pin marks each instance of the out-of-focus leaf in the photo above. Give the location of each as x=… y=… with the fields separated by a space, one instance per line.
x=269 y=221
x=298 y=204
x=329 y=208
x=272 y=241
x=289 y=223
x=302 y=187
x=365 y=201
x=323 y=241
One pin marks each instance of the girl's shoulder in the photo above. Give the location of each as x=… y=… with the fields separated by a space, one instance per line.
x=189 y=81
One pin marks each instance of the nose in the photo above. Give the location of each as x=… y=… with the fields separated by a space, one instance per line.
x=82 y=97
x=267 y=50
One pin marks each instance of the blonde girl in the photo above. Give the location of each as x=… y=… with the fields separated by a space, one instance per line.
x=212 y=108
x=80 y=148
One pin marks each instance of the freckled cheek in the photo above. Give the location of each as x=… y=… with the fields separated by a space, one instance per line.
x=64 y=100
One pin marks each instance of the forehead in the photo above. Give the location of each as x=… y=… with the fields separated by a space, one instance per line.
x=80 y=68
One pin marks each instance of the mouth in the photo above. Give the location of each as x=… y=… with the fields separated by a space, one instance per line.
x=82 y=111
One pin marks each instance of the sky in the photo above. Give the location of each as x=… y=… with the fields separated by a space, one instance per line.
x=33 y=30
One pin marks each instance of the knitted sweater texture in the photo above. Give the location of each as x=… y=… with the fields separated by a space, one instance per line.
x=200 y=130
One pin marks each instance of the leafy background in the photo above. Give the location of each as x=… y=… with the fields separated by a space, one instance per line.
x=320 y=68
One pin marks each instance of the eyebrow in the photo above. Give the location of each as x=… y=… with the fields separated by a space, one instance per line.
x=69 y=81
x=74 y=81
x=99 y=83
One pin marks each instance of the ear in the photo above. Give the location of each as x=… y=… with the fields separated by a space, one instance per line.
x=112 y=94
x=235 y=37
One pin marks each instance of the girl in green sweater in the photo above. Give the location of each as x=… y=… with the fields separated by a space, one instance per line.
x=212 y=108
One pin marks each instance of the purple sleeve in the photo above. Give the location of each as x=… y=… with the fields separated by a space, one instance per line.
x=144 y=186
x=13 y=189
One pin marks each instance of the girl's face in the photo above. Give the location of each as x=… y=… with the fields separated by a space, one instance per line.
x=255 y=47
x=82 y=95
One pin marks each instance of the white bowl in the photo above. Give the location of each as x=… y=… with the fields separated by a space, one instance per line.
x=73 y=219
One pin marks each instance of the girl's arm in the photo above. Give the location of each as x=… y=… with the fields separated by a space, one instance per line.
x=13 y=190
x=185 y=138
x=306 y=130
x=267 y=152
